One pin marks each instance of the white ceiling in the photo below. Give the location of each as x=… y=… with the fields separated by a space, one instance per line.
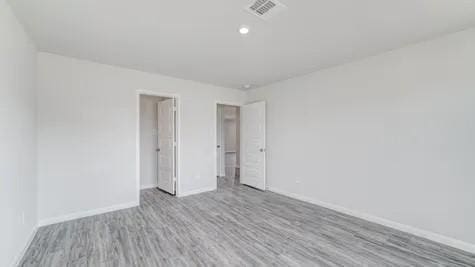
x=199 y=39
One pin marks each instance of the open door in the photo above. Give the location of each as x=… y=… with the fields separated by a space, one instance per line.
x=253 y=145
x=220 y=142
x=166 y=146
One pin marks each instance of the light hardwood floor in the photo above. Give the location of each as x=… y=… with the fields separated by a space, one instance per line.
x=235 y=226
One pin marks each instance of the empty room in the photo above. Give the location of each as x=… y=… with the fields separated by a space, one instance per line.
x=237 y=133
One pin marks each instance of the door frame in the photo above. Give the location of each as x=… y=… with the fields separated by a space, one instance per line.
x=227 y=103
x=178 y=137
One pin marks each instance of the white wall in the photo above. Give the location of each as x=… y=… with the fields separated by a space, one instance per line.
x=17 y=138
x=88 y=134
x=391 y=136
x=148 y=141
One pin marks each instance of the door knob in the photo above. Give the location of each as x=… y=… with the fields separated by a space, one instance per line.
x=158 y=149
x=219 y=146
x=262 y=149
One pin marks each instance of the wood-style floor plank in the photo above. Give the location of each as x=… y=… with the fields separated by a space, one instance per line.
x=234 y=226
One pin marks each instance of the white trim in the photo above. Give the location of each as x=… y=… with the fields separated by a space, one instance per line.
x=137 y=138
x=82 y=214
x=17 y=260
x=148 y=186
x=452 y=242
x=197 y=191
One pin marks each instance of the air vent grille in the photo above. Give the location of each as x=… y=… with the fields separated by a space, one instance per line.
x=265 y=9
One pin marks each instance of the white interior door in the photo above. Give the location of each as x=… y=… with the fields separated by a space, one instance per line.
x=166 y=145
x=253 y=145
x=220 y=142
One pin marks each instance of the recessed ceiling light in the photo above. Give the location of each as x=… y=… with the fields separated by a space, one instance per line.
x=247 y=86
x=243 y=30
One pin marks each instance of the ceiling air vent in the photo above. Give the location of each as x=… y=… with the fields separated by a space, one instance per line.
x=265 y=9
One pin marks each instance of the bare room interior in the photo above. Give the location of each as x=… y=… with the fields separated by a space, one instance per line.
x=237 y=133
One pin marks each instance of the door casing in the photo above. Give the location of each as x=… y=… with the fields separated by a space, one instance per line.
x=236 y=104
x=178 y=138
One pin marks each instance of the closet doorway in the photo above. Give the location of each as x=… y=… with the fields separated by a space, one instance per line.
x=158 y=142
x=227 y=145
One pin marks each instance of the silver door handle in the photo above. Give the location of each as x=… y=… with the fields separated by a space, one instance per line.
x=158 y=149
x=262 y=149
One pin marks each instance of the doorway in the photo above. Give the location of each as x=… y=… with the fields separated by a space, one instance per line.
x=227 y=145
x=158 y=143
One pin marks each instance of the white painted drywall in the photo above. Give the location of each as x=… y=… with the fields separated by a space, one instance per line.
x=87 y=135
x=18 y=183
x=148 y=141
x=392 y=135
x=199 y=40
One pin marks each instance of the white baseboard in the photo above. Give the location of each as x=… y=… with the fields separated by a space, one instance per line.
x=452 y=242
x=197 y=191
x=82 y=214
x=20 y=256
x=148 y=186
